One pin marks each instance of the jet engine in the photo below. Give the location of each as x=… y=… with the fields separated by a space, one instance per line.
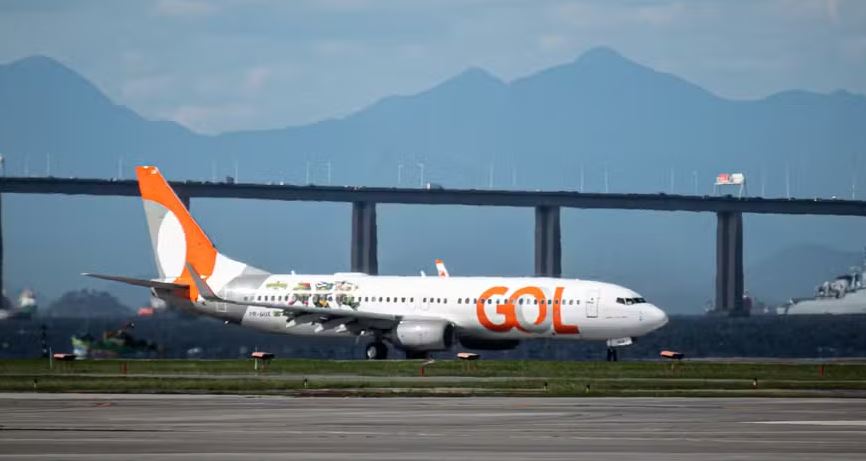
x=423 y=335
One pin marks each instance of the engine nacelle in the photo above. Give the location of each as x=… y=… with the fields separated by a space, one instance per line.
x=423 y=335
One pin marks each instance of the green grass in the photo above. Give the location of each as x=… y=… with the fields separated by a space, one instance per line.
x=449 y=377
x=494 y=368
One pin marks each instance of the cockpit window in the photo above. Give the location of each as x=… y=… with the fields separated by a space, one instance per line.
x=630 y=301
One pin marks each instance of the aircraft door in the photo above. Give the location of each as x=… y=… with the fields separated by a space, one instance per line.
x=592 y=304
x=422 y=303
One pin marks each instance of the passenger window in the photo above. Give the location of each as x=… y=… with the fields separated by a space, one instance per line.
x=489 y=301
x=380 y=299
x=424 y=300
x=459 y=300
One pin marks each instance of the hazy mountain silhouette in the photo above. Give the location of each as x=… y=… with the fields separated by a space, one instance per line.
x=600 y=112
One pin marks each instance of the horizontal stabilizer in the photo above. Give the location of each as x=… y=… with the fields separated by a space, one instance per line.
x=139 y=282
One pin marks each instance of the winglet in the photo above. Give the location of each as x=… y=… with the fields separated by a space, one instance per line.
x=440 y=266
x=203 y=288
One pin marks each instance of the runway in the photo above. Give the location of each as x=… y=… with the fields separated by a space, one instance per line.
x=79 y=426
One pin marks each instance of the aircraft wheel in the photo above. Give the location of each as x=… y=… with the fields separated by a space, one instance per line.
x=377 y=351
x=410 y=355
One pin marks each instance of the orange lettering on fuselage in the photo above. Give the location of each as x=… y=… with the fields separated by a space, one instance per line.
x=510 y=316
x=508 y=310
x=558 y=325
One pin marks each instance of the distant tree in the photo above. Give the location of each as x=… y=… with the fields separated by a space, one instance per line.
x=87 y=304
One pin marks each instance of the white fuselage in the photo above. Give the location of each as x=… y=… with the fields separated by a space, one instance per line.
x=480 y=307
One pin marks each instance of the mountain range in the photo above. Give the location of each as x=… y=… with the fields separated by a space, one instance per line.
x=600 y=122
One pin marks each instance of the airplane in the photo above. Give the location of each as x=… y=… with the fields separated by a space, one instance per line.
x=415 y=314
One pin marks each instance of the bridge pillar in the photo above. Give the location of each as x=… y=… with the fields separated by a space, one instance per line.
x=548 y=242
x=364 y=241
x=729 y=263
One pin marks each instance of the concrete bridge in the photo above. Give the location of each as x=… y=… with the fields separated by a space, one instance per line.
x=548 y=250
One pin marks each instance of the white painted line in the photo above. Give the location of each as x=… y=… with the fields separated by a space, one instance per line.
x=815 y=423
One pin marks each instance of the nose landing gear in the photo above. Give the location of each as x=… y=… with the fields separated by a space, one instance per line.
x=611 y=354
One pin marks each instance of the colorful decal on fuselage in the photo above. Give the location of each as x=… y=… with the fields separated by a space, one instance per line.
x=512 y=310
x=277 y=285
x=345 y=286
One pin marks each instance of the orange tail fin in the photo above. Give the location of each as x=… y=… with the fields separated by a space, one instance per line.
x=176 y=237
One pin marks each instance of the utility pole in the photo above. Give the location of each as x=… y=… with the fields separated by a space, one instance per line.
x=48 y=165
x=399 y=174
x=421 y=166
x=787 y=181
x=695 y=181
x=236 y=171
x=763 y=183
x=671 y=191
x=307 y=177
x=490 y=177
x=606 y=182
x=329 y=172
x=581 y=178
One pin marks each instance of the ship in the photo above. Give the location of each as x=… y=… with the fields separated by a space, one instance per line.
x=846 y=294
x=25 y=309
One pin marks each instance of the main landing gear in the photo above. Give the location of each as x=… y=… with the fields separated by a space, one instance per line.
x=611 y=354
x=377 y=351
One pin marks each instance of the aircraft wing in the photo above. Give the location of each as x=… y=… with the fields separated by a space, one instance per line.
x=138 y=282
x=331 y=312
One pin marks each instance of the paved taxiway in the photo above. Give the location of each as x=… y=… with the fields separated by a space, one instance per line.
x=75 y=426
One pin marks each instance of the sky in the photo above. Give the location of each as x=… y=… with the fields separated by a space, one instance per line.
x=217 y=66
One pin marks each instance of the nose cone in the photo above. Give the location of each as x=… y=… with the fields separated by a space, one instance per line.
x=656 y=317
